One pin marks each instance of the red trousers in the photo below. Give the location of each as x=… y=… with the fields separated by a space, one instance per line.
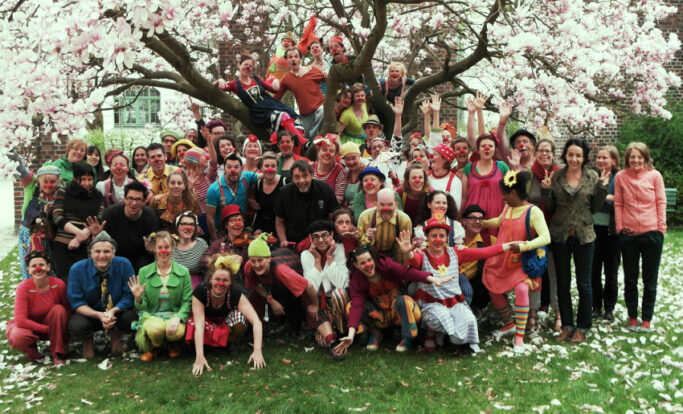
x=25 y=340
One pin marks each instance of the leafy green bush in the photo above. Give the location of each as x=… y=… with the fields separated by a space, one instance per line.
x=125 y=140
x=665 y=139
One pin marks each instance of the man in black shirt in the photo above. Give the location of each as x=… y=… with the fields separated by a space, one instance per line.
x=301 y=203
x=129 y=223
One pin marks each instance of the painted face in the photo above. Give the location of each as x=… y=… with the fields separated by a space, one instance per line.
x=437 y=237
x=133 y=203
x=376 y=148
x=157 y=160
x=246 y=67
x=38 y=268
x=252 y=150
x=327 y=153
x=446 y=136
x=342 y=224
x=359 y=97
x=269 y=167
x=487 y=148
x=352 y=161
x=574 y=157
x=473 y=223
x=167 y=142
x=93 y=158
x=225 y=145
x=259 y=265
x=371 y=131
x=337 y=52
x=346 y=99
x=163 y=249
x=102 y=254
x=186 y=227
x=235 y=225
x=140 y=157
x=316 y=49
x=386 y=208
x=416 y=180
x=603 y=160
x=524 y=145
x=371 y=184
x=365 y=264
x=286 y=145
x=233 y=171
x=293 y=59
x=421 y=157
x=87 y=182
x=439 y=203
x=119 y=166
x=76 y=153
x=636 y=160
x=462 y=151
x=395 y=73
x=48 y=183
x=220 y=281
x=302 y=180
x=175 y=185
x=544 y=154
x=182 y=149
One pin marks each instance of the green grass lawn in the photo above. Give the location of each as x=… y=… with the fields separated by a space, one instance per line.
x=614 y=371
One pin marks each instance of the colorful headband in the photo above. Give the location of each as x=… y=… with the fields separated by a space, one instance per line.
x=114 y=154
x=252 y=138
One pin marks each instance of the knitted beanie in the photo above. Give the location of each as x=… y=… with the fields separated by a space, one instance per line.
x=259 y=247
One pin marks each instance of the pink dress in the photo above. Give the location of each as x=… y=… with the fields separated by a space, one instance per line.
x=502 y=273
x=484 y=190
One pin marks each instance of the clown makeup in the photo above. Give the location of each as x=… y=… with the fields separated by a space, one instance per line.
x=376 y=148
x=220 y=282
x=182 y=149
x=269 y=167
x=395 y=72
x=316 y=49
x=462 y=151
x=437 y=237
x=439 y=203
x=286 y=144
x=186 y=227
x=365 y=264
x=420 y=156
x=233 y=171
x=327 y=152
x=38 y=268
x=234 y=225
x=416 y=180
x=524 y=145
x=487 y=148
x=48 y=183
x=119 y=167
x=157 y=159
x=162 y=250
x=346 y=99
x=246 y=68
x=371 y=184
x=446 y=136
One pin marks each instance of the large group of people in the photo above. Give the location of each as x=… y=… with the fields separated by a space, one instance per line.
x=190 y=241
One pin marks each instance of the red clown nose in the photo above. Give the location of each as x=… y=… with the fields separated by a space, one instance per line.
x=368 y=266
x=232 y=171
x=417 y=180
x=269 y=170
x=487 y=147
x=39 y=269
x=386 y=209
x=462 y=152
x=163 y=251
x=118 y=168
x=327 y=154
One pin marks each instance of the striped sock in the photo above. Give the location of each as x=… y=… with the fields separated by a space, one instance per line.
x=504 y=314
x=521 y=314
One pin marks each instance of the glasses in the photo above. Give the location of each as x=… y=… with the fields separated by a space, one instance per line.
x=321 y=236
x=475 y=218
x=134 y=200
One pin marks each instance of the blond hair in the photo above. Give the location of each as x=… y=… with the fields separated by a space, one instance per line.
x=644 y=151
x=398 y=65
x=613 y=154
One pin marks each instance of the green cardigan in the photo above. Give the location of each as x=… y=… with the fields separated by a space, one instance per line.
x=179 y=288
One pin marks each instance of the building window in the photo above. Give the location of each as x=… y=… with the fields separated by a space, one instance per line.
x=137 y=107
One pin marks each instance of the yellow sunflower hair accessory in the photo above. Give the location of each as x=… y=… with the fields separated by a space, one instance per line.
x=510 y=178
x=230 y=262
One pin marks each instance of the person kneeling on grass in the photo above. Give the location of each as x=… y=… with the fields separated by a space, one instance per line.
x=163 y=296
x=276 y=287
x=220 y=310
x=324 y=265
x=444 y=308
x=379 y=279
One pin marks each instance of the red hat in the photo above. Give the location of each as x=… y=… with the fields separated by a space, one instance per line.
x=446 y=152
x=437 y=222
x=337 y=39
x=230 y=210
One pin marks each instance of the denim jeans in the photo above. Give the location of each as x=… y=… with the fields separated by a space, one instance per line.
x=583 y=260
x=649 y=247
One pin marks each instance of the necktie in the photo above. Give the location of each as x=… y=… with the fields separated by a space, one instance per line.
x=106 y=297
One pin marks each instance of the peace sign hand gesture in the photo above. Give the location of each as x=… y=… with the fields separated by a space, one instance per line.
x=604 y=176
x=547 y=180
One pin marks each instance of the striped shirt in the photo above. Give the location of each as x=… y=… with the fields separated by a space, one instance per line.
x=31 y=306
x=386 y=233
x=335 y=178
x=191 y=258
